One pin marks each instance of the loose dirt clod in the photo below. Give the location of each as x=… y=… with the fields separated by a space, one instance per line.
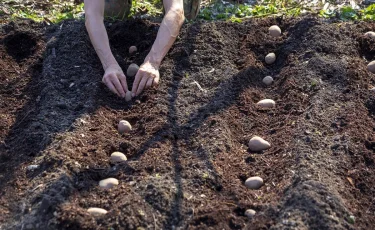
x=268 y=80
x=250 y=213
x=108 y=183
x=274 y=31
x=132 y=70
x=128 y=96
x=254 y=182
x=32 y=167
x=97 y=211
x=132 y=49
x=118 y=157
x=371 y=67
x=267 y=103
x=257 y=144
x=270 y=58
x=370 y=34
x=124 y=127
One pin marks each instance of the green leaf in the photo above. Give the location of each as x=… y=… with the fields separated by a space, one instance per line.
x=348 y=13
x=326 y=13
x=234 y=19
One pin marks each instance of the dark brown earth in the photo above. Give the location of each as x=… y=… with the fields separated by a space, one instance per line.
x=187 y=154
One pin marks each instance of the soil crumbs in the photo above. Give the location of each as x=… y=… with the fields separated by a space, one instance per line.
x=187 y=153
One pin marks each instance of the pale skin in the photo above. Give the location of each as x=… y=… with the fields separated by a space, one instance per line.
x=148 y=73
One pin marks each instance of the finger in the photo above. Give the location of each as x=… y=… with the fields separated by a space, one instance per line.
x=111 y=86
x=123 y=82
x=118 y=86
x=137 y=79
x=141 y=85
x=156 y=80
x=149 y=82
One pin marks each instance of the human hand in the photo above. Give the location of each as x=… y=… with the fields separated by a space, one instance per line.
x=115 y=80
x=147 y=76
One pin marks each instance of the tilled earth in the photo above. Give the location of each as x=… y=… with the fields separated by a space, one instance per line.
x=187 y=153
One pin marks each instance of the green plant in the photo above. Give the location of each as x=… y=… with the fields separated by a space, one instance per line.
x=326 y=13
x=141 y=7
x=348 y=13
x=56 y=13
x=368 y=13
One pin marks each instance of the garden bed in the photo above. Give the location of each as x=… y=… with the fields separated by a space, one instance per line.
x=187 y=154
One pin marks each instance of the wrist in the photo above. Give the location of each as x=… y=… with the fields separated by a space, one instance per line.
x=111 y=66
x=153 y=61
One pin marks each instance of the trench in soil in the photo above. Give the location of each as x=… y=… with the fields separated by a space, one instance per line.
x=187 y=154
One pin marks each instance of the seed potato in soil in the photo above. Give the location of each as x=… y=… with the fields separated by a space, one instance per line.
x=187 y=155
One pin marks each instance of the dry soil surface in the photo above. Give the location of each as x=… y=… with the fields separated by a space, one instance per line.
x=187 y=154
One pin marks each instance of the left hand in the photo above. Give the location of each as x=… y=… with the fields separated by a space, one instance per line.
x=146 y=77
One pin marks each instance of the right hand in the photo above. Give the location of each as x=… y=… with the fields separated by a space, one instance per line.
x=115 y=80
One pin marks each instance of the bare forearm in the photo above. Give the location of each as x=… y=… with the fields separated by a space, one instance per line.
x=167 y=34
x=99 y=40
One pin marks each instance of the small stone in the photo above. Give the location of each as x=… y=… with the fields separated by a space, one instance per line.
x=97 y=211
x=371 y=67
x=132 y=49
x=118 y=157
x=268 y=80
x=250 y=213
x=370 y=34
x=132 y=70
x=128 y=96
x=270 y=58
x=274 y=31
x=108 y=183
x=372 y=89
x=257 y=144
x=254 y=182
x=124 y=127
x=267 y=103
x=32 y=167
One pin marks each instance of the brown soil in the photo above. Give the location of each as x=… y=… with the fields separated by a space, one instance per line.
x=187 y=154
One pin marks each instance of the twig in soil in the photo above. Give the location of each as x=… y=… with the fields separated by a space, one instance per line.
x=27 y=114
x=61 y=25
x=38 y=186
x=268 y=165
x=153 y=215
x=199 y=86
x=228 y=203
